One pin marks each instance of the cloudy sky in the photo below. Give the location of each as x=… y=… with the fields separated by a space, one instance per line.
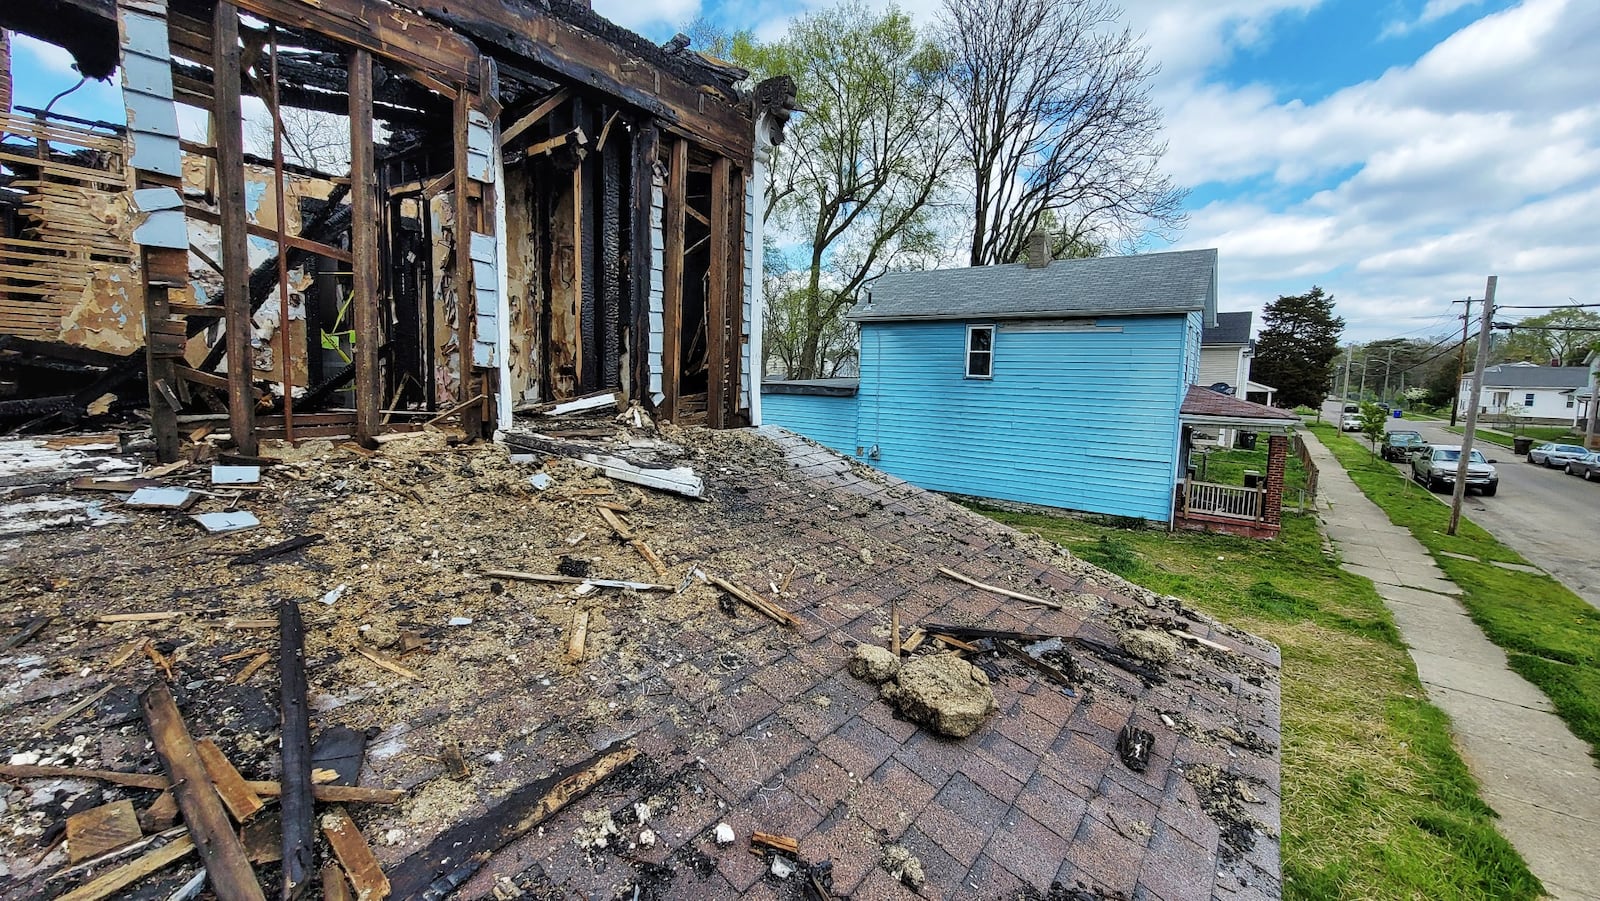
x=1395 y=152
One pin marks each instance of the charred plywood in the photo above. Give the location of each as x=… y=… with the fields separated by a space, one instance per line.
x=525 y=230
x=72 y=252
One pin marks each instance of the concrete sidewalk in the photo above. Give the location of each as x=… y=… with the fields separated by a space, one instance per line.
x=1533 y=771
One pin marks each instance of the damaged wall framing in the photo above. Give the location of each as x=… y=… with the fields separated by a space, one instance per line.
x=495 y=243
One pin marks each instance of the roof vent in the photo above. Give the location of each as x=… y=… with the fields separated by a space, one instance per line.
x=1038 y=249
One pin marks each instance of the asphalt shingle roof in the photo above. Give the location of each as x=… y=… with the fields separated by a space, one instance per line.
x=1201 y=401
x=1179 y=281
x=1231 y=328
x=1509 y=376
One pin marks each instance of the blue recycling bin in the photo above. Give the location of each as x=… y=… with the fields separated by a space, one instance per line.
x=1396 y=414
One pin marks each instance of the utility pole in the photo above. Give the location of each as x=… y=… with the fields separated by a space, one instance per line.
x=1461 y=360
x=1344 y=396
x=1594 y=399
x=1472 y=411
x=1388 y=364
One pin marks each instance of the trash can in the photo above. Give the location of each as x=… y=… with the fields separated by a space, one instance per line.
x=1521 y=445
x=1397 y=414
x=1245 y=441
x=1252 y=479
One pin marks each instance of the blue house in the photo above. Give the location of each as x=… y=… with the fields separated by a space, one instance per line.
x=1058 y=383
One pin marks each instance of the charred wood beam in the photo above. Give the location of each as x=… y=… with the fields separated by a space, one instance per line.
x=85 y=28
x=299 y=834
x=319 y=394
x=399 y=101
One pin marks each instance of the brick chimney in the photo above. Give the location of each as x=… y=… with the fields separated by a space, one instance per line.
x=1038 y=249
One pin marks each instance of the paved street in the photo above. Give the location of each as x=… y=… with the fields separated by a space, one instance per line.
x=1547 y=516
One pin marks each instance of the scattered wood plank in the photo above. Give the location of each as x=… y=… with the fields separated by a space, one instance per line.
x=108 y=827
x=1003 y=592
x=161 y=813
x=1203 y=642
x=29 y=631
x=240 y=800
x=355 y=855
x=616 y=523
x=388 y=664
x=457 y=853
x=240 y=655
x=894 y=628
x=334 y=886
x=644 y=550
x=299 y=836
x=109 y=883
x=914 y=640
x=776 y=842
x=678 y=480
x=572 y=580
x=342 y=750
x=230 y=872
x=275 y=550
x=1066 y=678
x=251 y=668
x=956 y=631
x=116 y=486
x=137 y=617
x=956 y=643
x=127 y=652
x=583 y=404
x=766 y=608
x=578 y=640
x=77 y=708
x=336 y=794
x=251 y=624
x=189 y=889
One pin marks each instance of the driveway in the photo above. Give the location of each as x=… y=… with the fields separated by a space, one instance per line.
x=1545 y=515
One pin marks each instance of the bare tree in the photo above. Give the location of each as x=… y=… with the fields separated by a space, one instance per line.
x=313 y=139
x=1052 y=106
x=857 y=180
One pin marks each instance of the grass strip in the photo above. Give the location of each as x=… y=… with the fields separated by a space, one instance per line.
x=1376 y=802
x=1551 y=635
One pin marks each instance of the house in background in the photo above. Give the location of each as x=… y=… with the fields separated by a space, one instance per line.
x=1226 y=350
x=1057 y=383
x=1543 y=394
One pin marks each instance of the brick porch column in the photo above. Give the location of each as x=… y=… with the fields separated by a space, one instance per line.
x=1277 y=459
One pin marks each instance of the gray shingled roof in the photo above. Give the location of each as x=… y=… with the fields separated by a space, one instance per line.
x=1175 y=282
x=1509 y=376
x=1231 y=328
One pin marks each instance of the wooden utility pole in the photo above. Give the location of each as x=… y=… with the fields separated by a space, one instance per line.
x=1594 y=400
x=1344 y=396
x=1461 y=360
x=1470 y=432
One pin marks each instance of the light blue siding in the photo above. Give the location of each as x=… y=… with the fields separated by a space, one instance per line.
x=1084 y=420
x=829 y=421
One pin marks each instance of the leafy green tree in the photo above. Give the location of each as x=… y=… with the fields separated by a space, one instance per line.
x=859 y=174
x=1295 y=351
x=1546 y=338
x=1374 y=422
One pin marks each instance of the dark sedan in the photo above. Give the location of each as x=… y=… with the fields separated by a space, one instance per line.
x=1400 y=444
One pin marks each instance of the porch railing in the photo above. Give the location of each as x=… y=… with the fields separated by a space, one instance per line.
x=1230 y=501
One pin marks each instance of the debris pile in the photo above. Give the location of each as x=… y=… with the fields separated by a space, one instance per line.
x=435 y=675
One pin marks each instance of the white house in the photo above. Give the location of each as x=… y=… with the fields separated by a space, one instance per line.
x=1225 y=353
x=1542 y=393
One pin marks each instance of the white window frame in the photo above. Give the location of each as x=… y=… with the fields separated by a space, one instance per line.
x=967 y=357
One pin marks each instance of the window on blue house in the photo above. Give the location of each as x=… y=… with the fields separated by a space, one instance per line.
x=980 y=351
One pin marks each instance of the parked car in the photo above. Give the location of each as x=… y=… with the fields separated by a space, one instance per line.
x=1436 y=465
x=1555 y=455
x=1400 y=444
x=1350 y=423
x=1587 y=466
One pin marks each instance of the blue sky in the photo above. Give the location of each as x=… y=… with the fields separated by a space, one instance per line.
x=1395 y=152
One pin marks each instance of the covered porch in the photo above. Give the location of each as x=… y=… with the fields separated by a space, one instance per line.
x=1254 y=507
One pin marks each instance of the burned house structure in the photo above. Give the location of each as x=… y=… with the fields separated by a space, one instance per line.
x=530 y=205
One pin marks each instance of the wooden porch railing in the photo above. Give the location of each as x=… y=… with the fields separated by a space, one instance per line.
x=1230 y=501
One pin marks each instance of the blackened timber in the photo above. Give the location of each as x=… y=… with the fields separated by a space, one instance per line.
x=646 y=146
x=227 y=868
x=717 y=296
x=299 y=835
x=736 y=323
x=274 y=550
x=434 y=54
x=227 y=119
x=610 y=303
x=160 y=368
x=530 y=32
x=460 y=851
x=672 y=274
x=364 y=248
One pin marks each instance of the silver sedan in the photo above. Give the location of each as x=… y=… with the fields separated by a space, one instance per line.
x=1587 y=466
x=1556 y=455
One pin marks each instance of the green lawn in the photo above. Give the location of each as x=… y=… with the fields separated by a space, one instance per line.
x=1227 y=467
x=1376 y=802
x=1551 y=635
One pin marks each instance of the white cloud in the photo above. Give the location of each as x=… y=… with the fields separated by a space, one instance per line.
x=643 y=16
x=1432 y=12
